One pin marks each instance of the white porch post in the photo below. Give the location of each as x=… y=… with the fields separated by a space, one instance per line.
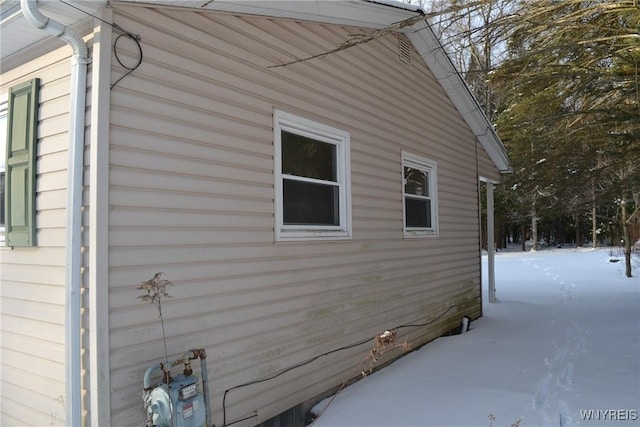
x=491 y=243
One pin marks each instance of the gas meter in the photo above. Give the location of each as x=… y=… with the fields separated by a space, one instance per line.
x=178 y=401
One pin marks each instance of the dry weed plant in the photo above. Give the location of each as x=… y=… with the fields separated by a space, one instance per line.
x=384 y=342
x=155 y=292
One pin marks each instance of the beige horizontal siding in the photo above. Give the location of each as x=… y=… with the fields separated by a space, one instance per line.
x=32 y=280
x=191 y=195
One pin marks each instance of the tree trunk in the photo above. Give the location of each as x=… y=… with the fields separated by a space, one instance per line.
x=613 y=239
x=505 y=236
x=594 y=228
x=627 y=238
x=578 y=234
x=523 y=238
x=594 y=220
x=534 y=228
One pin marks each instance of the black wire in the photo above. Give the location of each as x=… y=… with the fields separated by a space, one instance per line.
x=300 y=364
x=125 y=33
x=115 y=52
x=113 y=24
x=417 y=325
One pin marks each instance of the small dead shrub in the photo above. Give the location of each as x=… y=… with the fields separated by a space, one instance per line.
x=384 y=342
x=155 y=292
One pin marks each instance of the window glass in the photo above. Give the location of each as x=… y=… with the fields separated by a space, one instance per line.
x=310 y=203
x=418 y=212
x=416 y=181
x=302 y=156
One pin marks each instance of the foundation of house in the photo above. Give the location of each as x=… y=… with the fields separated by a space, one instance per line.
x=301 y=416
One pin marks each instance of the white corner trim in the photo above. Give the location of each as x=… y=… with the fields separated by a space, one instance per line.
x=100 y=389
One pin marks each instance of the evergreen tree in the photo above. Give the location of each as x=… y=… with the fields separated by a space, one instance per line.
x=573 y=68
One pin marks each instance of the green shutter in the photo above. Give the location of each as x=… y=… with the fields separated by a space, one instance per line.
x=20 y=175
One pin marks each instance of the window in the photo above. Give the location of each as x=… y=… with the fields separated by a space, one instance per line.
x=419 y=196
x=312 y=180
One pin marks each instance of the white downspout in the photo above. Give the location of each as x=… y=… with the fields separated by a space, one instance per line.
x=79 y=61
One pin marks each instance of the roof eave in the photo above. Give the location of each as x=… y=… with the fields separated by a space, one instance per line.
x=358 y=13
x=434 y=55
x=366 y=14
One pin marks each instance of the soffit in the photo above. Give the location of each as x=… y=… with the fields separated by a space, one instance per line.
x=16 y=34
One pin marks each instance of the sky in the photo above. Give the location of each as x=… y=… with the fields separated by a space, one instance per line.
x=560 y=347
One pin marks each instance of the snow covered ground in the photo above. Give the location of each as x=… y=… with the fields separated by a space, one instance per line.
x=561 y=347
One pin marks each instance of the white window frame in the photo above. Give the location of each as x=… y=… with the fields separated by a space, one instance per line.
x=294 y=124
x=431 y=168
x=4 y=99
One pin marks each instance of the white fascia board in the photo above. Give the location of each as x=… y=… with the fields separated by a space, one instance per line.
x=359 y=13
x=398 y=4
x=434 y=55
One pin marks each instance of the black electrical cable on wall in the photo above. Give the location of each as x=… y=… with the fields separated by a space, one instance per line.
x=125 y=33
x=298 y=365
x=115 y=52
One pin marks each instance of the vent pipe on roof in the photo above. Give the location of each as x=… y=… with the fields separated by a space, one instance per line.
x=79 y=61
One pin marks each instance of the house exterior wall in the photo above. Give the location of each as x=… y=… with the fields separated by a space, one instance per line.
x=32 y=279
x=192 y=195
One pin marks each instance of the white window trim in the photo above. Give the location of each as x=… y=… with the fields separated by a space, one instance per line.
x=291 y=123
x=4 y=100
x=431 y=167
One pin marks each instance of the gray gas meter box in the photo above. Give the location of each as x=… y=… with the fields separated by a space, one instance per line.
x=178 y=401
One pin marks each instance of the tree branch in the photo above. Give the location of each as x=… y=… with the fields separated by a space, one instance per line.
x=357 y=39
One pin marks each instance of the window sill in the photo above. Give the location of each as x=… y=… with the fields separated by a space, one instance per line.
x=419 y=234
x=310 y=236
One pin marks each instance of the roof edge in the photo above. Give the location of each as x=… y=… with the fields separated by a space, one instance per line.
x=435 y=56
x=357 y=13
x=375 y=14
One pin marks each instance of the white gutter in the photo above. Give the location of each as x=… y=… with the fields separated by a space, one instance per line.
x=79 y=61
